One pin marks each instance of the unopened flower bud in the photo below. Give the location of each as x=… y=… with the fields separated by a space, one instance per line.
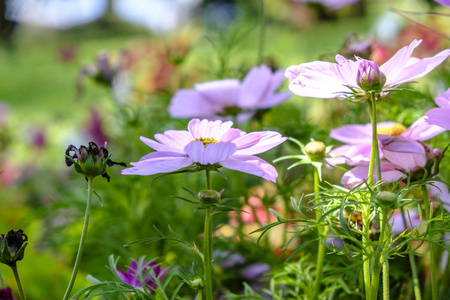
x=12 y=247
x=209 y=196
x=90 y=161
x=196 y=283
x=386 y=199
x=369 y=77
x=315 y=150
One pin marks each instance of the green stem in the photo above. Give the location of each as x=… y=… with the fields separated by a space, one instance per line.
x=380 y=262
x=374 y=155
x=199 y=295
x=369 y=250
x=322 y=232
x=19 y=284
x=412 y=262
x=207 y=245
x=2 y=281
x=261 y=33
x=82 y=239
x=433 y=269
x=385 y=262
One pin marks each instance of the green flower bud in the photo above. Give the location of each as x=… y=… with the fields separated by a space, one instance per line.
x=12 y=247
x=91 y=161
x=315 y=150
x=386 y=199
x=209 y=196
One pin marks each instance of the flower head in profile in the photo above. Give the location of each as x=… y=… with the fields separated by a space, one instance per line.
x=12 y=247
x=321 y=79
x=208 y=145
x=440 y=116
x=141 y=271
x=230 y=98
x=90 y=161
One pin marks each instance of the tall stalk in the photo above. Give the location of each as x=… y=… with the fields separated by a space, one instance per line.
x=82 y=239
x=433 y=268
x=322 y=231
x=261 y=39
x=413 y=265
x=207 y=245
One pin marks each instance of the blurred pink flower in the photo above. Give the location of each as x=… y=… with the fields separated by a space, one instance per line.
x=208 y=144
x=227 y=98
x=443 y=2
x=440 y=116
x=412 y=220
x=321 y=79
x=332 y=4
x=147 y=272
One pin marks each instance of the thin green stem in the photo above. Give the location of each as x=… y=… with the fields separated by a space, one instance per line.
x=207 y=245
x=380 y=261
x=2 y=281
x=82 y=239
x=433 y=268
x=374 y=154
x=199 y=295
x=322 y=232
x=19 y=284
x=369 y=250
x=261 y=40
x=412 y=262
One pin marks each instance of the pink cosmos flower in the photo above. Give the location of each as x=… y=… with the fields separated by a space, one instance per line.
x=440 y=116
x=226 y=98
x=146 y=271
x=321 y=79
x=208 y=144
x=394 y=140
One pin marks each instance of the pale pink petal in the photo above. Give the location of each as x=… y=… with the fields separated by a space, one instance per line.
x=358 y=174
x=418 y=69
x=353 y=134
x=232 y=134
x=350 y=154
x=208 y=129
x=443 y=99
x=394 y=66
x=189 y=104
x=251 y=165
x=308 y=79
x=440 y=189
x=257 y=142
x=220 y=93
x=439 y=117
x=211 y=154
x=273 y=100
x=346 y=69
x=255 y=86
x=421 y=130
x=175 y=139
x=165 y=162
x=405 y=153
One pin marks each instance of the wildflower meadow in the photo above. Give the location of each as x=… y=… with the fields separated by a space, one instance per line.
x=212 y=149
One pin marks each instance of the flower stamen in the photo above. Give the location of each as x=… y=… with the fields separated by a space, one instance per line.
x=394 y=130
x=206 y=141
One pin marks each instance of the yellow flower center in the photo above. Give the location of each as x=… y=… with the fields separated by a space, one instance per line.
x=206 y=141
x=395 y=130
